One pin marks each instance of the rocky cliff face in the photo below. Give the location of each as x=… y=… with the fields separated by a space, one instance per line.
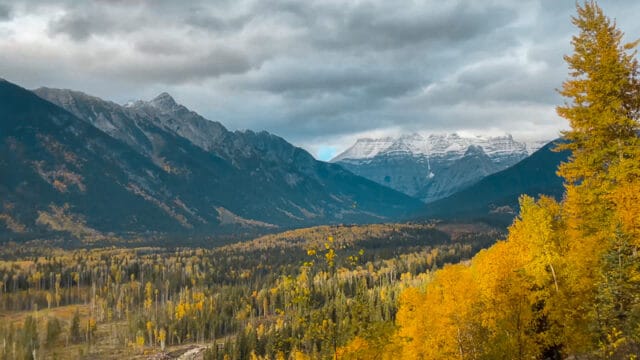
x=433 y=167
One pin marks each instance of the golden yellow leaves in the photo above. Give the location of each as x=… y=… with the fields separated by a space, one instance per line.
x=492 y=306
x=192 y=303
x=439 y=323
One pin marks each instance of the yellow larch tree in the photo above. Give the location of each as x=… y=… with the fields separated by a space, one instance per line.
x=601 y=178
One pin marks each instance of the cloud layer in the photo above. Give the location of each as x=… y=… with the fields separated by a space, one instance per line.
x=319 y=73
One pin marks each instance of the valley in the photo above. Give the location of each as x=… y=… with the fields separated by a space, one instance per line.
x=267 y=297
x=134 y=227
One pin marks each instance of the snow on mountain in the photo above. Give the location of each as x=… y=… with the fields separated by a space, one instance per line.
x=500 y=145
x=533 y=146
x=365 y=148
x=434 y=166
x=412 y=144
x=436 y=145
x=163 y=102
x=452 y=145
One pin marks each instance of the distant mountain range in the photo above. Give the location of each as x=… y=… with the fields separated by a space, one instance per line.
x=433 y=167
x=71 y=163
x=494 y=199
x=76 y=165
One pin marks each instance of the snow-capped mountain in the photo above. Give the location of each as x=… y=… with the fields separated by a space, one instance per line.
x=434 y=166
x=437 y=145
x=365 y=149
x=533 y=146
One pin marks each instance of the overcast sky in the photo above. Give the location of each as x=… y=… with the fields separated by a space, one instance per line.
x=318 y=73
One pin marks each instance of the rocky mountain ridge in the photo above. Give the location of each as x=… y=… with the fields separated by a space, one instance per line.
x=434 y=166
x=72 y=163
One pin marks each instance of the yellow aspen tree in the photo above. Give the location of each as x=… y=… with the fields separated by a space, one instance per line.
x=537 y=239
x=508 y=301
x=441 y=323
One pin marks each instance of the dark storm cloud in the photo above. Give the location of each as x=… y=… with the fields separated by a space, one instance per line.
x=299 y=80
x=319 y=72
x=82 y=20
x=5 y=12
x=79 y=27
x=495 y=81
x=181 y=69
x=380 y=28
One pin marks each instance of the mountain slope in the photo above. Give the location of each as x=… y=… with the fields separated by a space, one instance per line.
x=458 y=174
x=434 y=167
x=496 y=196
x=59 y=173
x=158 y=167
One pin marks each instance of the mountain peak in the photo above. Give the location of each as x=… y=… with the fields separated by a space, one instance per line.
x=446 y=145
x=413 y=136
x=163 y=96
x=164 y=102
x=475 y=150
x=368 y=139
x=365 y=148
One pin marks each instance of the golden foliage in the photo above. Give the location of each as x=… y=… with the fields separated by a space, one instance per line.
x=566 y=279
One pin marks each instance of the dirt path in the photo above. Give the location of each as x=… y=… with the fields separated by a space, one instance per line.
x=193 y=354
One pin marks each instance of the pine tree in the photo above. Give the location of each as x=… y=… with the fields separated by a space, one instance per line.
x=74 y=330
x=30 y=336
x=53 y=331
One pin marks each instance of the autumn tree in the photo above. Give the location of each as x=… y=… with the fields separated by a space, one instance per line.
x=443 y=321
x=602 y=181
x=602 y=104
x=602 y=98
x=565 y=283
x=499 y=303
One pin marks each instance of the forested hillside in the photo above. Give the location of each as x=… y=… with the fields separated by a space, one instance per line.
x=98 y=172
x=301 y=293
